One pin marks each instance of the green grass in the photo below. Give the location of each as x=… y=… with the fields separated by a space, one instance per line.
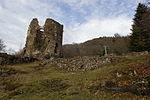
x=49 y=83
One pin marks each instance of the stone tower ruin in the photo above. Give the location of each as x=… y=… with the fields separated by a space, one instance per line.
x=44 y=41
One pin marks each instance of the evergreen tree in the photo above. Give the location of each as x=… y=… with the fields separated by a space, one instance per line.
x=140 y=37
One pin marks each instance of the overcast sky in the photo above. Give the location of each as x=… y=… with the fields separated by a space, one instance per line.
x=82 y=19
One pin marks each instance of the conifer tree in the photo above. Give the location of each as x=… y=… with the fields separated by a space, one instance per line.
x=140 y=37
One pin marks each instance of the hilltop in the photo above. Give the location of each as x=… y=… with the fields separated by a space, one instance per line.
x=117 y=45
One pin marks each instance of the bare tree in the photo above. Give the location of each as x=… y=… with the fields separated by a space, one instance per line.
x=117 y=35
x=2 y=46
x=10 y=51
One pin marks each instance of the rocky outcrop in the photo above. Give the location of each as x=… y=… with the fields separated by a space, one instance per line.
x=6 y=59
x=81 y=63
x=138 y=87
x=133 y=78
x=44 y=41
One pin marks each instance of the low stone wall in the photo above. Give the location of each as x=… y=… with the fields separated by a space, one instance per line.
x=136 y=53
x=81 y=63
x=6 y=59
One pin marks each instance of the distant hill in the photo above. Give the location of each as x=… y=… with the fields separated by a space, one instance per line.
x=115 y=45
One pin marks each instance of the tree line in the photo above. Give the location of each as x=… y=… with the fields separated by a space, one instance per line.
x=116 y=45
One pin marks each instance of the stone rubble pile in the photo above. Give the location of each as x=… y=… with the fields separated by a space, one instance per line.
x=80 y=63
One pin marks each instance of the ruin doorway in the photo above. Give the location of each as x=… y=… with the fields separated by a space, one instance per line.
x=56 y=47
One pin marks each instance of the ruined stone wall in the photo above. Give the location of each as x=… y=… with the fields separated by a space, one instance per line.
x=44 y=41
x=6 y=59
x=81 y=63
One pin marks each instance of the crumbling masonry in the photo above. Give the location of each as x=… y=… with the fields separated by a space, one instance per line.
x=44 y=41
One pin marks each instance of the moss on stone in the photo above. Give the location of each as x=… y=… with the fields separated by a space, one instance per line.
x=39 y=42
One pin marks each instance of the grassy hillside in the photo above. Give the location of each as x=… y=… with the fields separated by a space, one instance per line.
x=115 y=45
x=34 y=82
